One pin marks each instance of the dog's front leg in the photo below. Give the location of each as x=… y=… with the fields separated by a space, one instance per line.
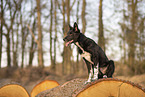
x=90 y=76
x=96 y=72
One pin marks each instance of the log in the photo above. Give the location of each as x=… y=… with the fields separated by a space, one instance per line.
x=42 y=86
x=13 y=90
x=64 y=90
x=111 y=88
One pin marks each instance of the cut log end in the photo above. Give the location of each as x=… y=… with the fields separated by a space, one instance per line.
x=111 y=88
x=42 y=86
x=13 y=90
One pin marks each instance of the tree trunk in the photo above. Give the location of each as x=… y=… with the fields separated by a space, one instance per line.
x=15 y=44
x=142 y=41
x=132 y=38
x=76 y=68
x=8 y=50
x=83 y=17
x=64 y=30
x=9 y=30
x=1 y=31
x=33 y=46
x=101 y=40
x=31 y=52
x=24 y=37
x=22 y=46
x=67 y=52
x=40 y=50
x=68 y=49
x=15 y=47
x=55 y=39
x=123 y=28
x=50 y=31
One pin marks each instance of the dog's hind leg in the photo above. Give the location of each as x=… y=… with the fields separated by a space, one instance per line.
x=110 y=69
x=96 y=72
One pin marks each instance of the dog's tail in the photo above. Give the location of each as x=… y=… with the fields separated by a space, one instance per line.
x=110 y=69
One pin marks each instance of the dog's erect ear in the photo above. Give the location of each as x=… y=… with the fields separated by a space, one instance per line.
x=76 y=27
x=70 y=27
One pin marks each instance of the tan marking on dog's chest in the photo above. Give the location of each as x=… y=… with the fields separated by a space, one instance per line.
x=85 y=54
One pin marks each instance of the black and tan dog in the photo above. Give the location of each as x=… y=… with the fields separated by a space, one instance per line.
x=97 y=62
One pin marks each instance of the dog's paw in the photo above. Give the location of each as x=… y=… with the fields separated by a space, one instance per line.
x=94 y=79
x=86 y=82
x=104 y=76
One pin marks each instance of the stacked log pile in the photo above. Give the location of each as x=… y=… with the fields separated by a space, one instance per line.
x=109 y=87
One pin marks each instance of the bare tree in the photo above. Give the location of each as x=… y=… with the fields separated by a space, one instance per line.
x=63 y=29
x=55 y=28
x=15 y=44
x=15 y=32
x=24 y=36
x=83 y=16
x=132 y=35
x=50 y=31
x=76 y=68
x=1 y=30
x=9 y=27
x=67 y=51
x=40 y=49
x=142 y=40
x=33 y=45
x=132 y=28
x=101 y=40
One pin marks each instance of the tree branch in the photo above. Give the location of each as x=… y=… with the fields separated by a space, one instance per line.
x=59 y=7
x=72 y=5
x=32 y=34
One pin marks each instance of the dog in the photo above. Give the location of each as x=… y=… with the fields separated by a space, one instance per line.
x=95 y=58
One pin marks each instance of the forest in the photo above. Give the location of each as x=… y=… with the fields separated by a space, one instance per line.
x=32 y=32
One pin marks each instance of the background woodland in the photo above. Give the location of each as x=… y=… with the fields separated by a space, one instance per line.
x=31 y=33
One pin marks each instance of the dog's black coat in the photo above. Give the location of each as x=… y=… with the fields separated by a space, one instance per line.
x=96 y=52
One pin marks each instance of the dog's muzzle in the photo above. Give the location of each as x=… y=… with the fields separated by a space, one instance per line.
x=67 y=42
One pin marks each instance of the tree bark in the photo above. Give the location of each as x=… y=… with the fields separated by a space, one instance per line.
x=15 y=47
x=50 y=31
x=33 y=46
x=101 y=40
x=76 y=68
x=1 y=31
x=142 y=41
x=40 y=50
x=23 y=47
x=63 y=29
x=67 y=52
x=9 y=30
x=8 y=49
x=83 y=17
x=55 y=39
x=133 y=35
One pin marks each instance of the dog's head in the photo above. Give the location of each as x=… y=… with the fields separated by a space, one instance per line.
x=72 y=35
